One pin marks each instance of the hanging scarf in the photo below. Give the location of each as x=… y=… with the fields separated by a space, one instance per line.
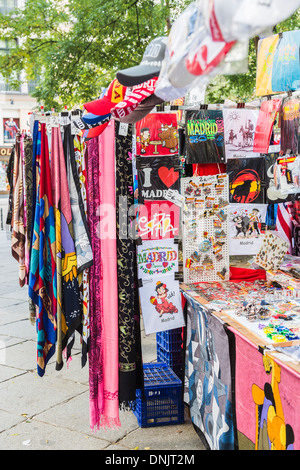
x=109 y=283
x=18 y=226
x=130 y=356
x=80 y=158
x=10 y=179
x=83 y=247
x=42 y=278
x=95 y=350
x=28 y=158
x=68 y=294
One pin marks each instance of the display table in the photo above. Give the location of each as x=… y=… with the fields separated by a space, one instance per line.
x=242 y=393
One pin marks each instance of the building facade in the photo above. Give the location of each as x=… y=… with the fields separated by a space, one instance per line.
x=15 y=105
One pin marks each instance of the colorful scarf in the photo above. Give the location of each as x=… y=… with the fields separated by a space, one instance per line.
x=17 y=223
x=130 y=356
x=68 y=295
x=42 y=276
x=80 y=158
x=109 y=416
x=95 y=350
x=28 y=157
x=84 y=253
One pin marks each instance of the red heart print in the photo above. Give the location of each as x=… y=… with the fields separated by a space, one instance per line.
x=168 y=177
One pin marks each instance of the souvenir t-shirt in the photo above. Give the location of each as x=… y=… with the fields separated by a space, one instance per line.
x=205 y=136
x=265 y=122
x=289 y=123
x=246 y=180
x=239 y=131
x=286 y=70
x=265 y=56
x=156 y=175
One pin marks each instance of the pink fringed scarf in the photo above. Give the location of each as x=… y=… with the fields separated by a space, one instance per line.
x=104 y=402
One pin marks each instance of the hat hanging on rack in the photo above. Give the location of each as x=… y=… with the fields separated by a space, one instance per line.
x=149 y=67
x=134 y=97
x=113 y=95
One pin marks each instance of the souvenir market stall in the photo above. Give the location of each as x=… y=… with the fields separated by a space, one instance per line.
x=143 y=205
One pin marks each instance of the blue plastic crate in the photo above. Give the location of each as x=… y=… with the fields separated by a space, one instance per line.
x=170 y=340
x=175 y=360
x=162 y=403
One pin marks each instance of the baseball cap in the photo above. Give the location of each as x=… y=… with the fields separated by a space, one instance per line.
x=149 y=67
x=113 y=95
x=141 y=111
x=135 y=97
x=91 y=118
x=94 y=131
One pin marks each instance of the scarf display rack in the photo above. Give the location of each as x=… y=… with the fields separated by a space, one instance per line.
x=128 y=209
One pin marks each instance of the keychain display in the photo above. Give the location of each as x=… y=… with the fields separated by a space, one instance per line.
x=205 y=228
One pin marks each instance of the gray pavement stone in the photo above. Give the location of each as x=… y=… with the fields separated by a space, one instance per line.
x=77 y=411
x=31 y=394
x=7 y=373
x=9 y=420
x=19 y=329
x=34 y=435
x=20 y=356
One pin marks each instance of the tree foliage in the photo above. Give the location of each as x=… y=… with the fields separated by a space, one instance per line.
x=75 y=47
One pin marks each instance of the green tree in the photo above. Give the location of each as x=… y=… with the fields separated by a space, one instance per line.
x=75 y=47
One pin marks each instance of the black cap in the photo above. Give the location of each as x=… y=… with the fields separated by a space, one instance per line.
x=150 y=66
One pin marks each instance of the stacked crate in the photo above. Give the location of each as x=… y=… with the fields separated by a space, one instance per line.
x=161 y=403
x=169 y=346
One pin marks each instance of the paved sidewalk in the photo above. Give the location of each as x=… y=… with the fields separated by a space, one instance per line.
x=52 y=413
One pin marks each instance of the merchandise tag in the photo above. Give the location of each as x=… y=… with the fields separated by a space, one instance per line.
x=54 y=121
x=123 y=129
x=175 y=197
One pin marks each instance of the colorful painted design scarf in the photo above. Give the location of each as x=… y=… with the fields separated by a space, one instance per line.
x=83 y=247
x=80 y=158
x=28 y=156
x=42 y=278
x=17 y=223
x=95 y=350
x=81 y=231
x=68 y=295
x=130 y=355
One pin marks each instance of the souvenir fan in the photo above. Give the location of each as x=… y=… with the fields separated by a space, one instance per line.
x=149 y=67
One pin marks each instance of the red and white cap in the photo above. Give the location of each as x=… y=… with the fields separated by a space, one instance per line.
x=133 y=98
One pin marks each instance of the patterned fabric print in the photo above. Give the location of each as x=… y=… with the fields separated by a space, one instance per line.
x=130 y=355
x=42 y=278
x=28 y=191
x=81 y=231
x=95 y=350
x=18 y=227
x=208 y=382
x=10 y=175
x=80 y=154
x=68 y=295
